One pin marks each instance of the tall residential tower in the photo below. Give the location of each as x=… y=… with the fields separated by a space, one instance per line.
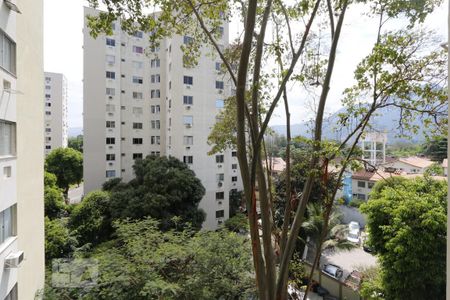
x=55 y=118
x=140 y=101
x=21 y=142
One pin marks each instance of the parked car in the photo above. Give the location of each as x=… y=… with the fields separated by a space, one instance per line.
x=353 y=232
x=367 y=247
x=333 y=270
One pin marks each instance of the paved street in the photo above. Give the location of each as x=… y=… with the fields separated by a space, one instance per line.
x=75 y=194
x=349 y=260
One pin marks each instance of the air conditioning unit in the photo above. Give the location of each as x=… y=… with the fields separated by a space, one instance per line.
x=188 y=148
x=188 y=125
x=219 y=184
x=110 y=147
x=188 y=107
x=188 y=86
x=110 y=97
x=110 y=163
x=219 y=166
x=220 y=91
x=234 y=184
x=220 y=202
x=14 y=259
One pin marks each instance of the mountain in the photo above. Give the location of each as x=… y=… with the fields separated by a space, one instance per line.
x=75 y=131
x=386 y=119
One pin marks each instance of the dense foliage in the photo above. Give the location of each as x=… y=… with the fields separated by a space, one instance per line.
x=143 y=262
x=76 y=143
x=67 y=165
x=54 y=205
x=163 y=188
x=407 y=224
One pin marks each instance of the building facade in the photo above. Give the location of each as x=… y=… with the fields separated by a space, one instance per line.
x=140 y=101
x=55 y=112
x=21 y=164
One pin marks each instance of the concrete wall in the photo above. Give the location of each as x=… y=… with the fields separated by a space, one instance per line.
x=30 y=161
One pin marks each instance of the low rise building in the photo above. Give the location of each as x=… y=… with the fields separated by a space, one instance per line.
x=409 y=165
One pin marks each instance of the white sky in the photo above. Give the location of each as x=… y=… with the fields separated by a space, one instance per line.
x=63 y=53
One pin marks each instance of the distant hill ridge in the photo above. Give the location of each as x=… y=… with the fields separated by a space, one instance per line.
x=386 y=119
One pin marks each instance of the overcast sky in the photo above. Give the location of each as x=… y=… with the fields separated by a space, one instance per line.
x=63 y=41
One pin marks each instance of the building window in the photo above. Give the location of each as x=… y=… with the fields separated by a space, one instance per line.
x=7 y=53
x=361 y=196
x=220 y=213
x=137 y=95
x=13 y=294
x=137 y=125
x=155 y=124
x=219 y=103
x=110 y=173
x=234 y=179
x=138 y=34
x=155 y=94
x=188 y=120
x=47 y=96
x=188 y=140
x=110 y=107
x=188 y=159
x=48 y=130
x=137 y=155
x=234 y=153
x=154 y=49
x=361 y=184
x=156 y=78
x=221 y=31
x=137 y=110
x=110 y=75
x=219 y=85
x=48 y=113
x=48 y=104
x=110 y=141
x=234 y=166
x=220 y=195
x=370 y=185
x=188 y=100
x=110 y=91
x=48 y=139
x=110 y=42
x=138 y=80
x=137 y=141
x=138 y=65
x=155 y=63
x=220 y=177
x=7 y=223
x=187 y=40
x=155 y=109
x=110 y=124
x=219 y=159
x=188 y=80
x=138 y=49
x=218 y=66
x=7 y=138
x=110 y=157
x=110 y=59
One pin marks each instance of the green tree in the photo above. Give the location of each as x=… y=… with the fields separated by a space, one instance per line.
x=162 y=189
x=238 y=223
x=54 y=204
x=67 y=165
x=372 y=284
x=407 y=224
x=143 y=262
x=90 y=220
x=76 y=143
x=235 y=202
x=435 y=170
x=436 y=148
x=58 y=240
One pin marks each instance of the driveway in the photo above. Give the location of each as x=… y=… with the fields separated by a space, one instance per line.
x=75 y=194
x=355 y=259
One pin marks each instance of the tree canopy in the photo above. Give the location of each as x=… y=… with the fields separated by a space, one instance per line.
x=162 y=189
x=407 y=224
x=54 y=204
x=67 y=165
x=143 y=262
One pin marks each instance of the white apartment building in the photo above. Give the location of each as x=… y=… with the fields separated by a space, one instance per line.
x=55 y=112
x=140 y=101
x=21 y=138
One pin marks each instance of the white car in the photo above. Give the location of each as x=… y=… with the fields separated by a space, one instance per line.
x=353 y=232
